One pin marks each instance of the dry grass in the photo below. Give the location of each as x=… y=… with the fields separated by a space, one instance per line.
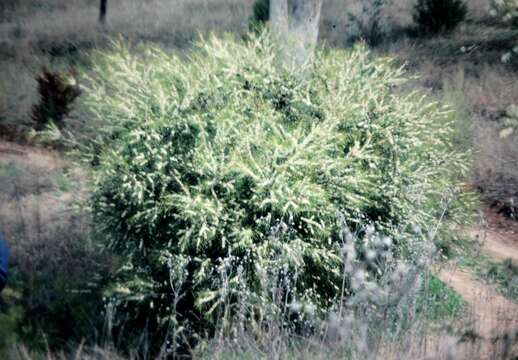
x=36 y=200
x=496 y=172
x=170 y=22
x=415 y=346
x=58 y=34
x=56 y=267
x=466 y=72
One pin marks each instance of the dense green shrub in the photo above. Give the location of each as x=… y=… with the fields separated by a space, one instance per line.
x=219 y=172
x=439 y=16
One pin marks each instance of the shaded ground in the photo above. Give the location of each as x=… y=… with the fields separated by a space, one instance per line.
x=499 y=237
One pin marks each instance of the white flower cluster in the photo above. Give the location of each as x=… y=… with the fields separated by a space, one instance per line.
x=383 y=290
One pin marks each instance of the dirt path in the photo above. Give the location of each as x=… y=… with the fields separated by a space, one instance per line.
x=492 y=314
x=499 y=237
x=28 y=155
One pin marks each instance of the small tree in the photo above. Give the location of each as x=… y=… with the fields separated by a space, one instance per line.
x=439 y=16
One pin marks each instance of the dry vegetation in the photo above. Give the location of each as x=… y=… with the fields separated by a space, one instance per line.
x=57 y=34
x=53 y=254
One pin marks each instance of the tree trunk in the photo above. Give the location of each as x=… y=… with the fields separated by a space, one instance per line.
x=279 y=17
x=102 y=11
x=304 y=27
x=296 y=28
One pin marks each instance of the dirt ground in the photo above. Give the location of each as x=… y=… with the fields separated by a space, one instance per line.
x=494 y=317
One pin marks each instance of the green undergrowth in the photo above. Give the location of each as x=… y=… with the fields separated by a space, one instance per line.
x=439 y=302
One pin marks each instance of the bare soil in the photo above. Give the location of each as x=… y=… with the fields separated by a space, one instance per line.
x=493 y=316
x=491 y=312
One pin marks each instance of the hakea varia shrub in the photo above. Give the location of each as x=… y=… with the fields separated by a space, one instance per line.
x=222 y=170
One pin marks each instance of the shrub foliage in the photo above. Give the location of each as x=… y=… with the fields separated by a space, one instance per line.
x=439 y=16
x=222 y=169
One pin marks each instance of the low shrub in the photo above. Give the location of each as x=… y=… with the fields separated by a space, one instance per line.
x=505 y=275
x=56 y=97
x=223 y=177
x=439 y=16
x=507 y=10
x=502 y=274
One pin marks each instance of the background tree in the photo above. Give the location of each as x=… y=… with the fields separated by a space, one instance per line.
x=296 y=25
x=102 y=11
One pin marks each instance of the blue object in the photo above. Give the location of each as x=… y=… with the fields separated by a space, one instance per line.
x=4 y=262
